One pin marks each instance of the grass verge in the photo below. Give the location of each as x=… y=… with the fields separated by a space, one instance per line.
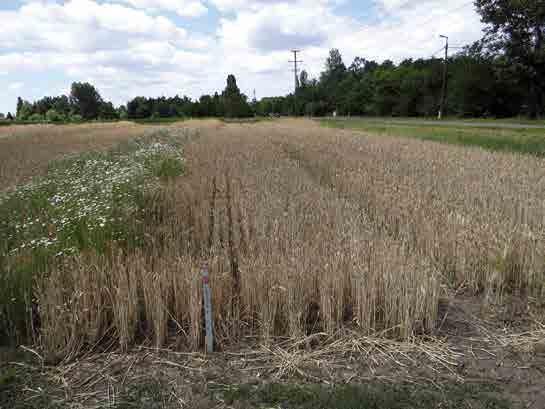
x=364 y=396
x=523 y=140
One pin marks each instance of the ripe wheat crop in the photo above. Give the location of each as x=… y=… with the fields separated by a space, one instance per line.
x=304 y=230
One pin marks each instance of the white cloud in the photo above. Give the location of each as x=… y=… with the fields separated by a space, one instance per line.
x=132 y=47
x=184 y=8
x=84 y=25
x=255 y=5
x=16 y=85
x=278 y=27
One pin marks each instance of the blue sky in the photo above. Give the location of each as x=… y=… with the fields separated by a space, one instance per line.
x=167 y=47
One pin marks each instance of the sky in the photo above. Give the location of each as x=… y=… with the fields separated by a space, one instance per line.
x=128 y=48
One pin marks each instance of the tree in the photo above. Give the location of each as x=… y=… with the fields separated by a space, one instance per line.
x=107 y=111
x=1 y=116
x=516 y=29
x=9 y=117
x=62 y=105
x=357 y=68
x=24 y=111
x=122 y=112
x=335 y=72
x=303 y=79
x=19 y=106
x=334 y=64
x=86 y=100
x=139 y=108
x=235 y=103
x=207 y=107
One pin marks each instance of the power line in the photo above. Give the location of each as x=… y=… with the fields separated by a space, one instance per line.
x=440 y=50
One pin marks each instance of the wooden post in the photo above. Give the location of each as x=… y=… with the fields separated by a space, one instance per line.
x=207 y=298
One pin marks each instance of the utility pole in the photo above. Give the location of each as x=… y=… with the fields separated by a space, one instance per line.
x=296 y=84
x=254 y=104
x=445 y=78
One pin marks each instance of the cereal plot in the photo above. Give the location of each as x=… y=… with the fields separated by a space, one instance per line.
x=305 y=230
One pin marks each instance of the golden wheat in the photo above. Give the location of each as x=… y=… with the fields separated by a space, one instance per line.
x=307 y=230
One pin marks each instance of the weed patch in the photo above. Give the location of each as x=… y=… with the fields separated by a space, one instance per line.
x=85 y=203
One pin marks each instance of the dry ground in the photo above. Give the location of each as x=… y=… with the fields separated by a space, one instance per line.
x=324 y=247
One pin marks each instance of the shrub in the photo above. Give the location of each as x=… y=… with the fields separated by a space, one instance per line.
x=54 y=116
x=76 y=118
x=35 y=118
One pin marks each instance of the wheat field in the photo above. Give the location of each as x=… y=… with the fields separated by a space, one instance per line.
x=304 y=230
x=26 y=151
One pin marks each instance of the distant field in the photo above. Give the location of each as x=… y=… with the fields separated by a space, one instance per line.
x=26 y=150
x=493 y=135
x=487 y=122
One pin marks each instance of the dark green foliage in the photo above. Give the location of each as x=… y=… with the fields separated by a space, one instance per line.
x=24 y=110
x=231 y=104
x=54 y=116
x=84 y=103
x=235 y=103
x=479 y=85
x=76 y=118
x=107 y=111
x=158 y=108
x=86 y=100
x=36 y=117
x=516 y=31
x=19 y=107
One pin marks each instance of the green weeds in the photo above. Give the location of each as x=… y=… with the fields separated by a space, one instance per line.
x=84 y=203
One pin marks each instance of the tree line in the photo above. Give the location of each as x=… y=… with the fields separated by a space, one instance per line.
x=83 y=103
x=502 y=75
x=231 y=103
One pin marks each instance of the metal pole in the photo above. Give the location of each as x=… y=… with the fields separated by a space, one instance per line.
x=207 y=298
x=445 y=78
x=296 y=72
